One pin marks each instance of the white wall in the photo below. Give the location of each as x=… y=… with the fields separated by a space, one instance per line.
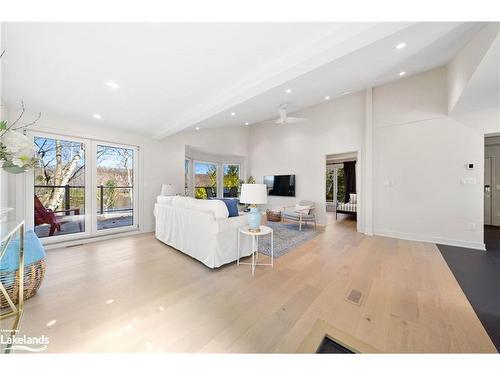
x=4 y=183
x=420 y=156
x=332 y=128
x=220 y=141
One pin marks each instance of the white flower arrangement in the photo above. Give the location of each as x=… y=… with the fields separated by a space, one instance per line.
x=17 y=152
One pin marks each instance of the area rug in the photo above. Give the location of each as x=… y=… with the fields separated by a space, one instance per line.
x=286 y=238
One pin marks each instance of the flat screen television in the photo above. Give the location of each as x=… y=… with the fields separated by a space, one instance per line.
x=281 y=185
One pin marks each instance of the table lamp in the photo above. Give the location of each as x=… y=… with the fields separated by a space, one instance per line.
x=253 y=194
x=167 y=190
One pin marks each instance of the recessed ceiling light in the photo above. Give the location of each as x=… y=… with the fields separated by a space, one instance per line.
x=233 y=113
x=97 y=116
x=246 y=123
x=347 y=92
x=51 y=323
x=110 y=301
x=402 y=73
x=288 y=91
x=401 y=45
x=112 y=85
x=197 y=128
x=327 y=97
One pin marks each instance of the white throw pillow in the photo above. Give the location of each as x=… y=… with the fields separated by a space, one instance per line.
x=217 y=207
x=304 y=209
x=166 y=200
x=353 y=198
x=180 y=202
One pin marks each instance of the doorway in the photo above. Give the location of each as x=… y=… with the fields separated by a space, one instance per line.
x=491 y=192
x=341 y=186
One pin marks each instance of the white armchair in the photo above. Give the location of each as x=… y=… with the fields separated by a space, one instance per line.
x=303 y=212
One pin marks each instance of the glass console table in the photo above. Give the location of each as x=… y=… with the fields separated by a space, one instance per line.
x=10 y=311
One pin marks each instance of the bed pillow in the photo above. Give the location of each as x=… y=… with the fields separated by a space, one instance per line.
x=353 y=198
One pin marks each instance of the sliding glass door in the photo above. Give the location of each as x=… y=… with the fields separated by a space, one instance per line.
x=59 y=199
x=81 y=188
x=115 y=187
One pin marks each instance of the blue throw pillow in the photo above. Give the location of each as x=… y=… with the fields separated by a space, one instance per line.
x=231 y=204
x=33 y=252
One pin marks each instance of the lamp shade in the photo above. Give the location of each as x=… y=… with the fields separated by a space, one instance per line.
x=253 y=194
x=167 y=190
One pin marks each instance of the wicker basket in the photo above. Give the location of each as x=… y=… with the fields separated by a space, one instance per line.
x=33 y=277
x=273 y=215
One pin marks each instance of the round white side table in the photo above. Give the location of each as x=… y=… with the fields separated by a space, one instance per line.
x=264 y=231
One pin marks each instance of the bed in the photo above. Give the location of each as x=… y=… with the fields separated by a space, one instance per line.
x=346 y=209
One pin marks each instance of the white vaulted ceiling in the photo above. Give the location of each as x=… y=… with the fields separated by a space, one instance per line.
x=177 y=76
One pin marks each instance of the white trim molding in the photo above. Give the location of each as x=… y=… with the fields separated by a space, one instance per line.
x=431 y=239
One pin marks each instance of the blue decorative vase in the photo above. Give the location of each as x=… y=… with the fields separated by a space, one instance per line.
x=253 y=219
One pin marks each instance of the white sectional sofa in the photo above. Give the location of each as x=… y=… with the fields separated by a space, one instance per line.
x=200 y=229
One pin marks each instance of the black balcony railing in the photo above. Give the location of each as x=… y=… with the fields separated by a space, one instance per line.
x=101 y=192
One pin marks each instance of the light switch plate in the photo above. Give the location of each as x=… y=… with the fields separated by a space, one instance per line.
x=468 y=180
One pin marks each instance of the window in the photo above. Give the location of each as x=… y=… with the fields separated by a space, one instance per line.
x=231 y=180
x=186 y=176
x=205 y=180
x=335 y=184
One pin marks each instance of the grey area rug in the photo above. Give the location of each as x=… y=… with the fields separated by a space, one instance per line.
x=286 y=238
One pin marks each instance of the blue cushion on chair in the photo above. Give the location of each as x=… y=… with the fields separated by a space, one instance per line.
x=231 y=204
x=33 y=252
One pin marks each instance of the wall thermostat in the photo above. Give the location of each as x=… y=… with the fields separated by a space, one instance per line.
x=470 y=165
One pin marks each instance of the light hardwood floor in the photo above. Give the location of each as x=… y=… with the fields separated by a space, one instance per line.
x=135 y=294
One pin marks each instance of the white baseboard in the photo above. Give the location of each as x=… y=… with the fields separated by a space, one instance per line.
x=82 y=241
x=432 y=239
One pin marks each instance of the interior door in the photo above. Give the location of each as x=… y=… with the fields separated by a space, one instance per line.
x=487 y=190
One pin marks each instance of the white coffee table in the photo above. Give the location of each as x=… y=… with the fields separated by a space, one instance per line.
x=264 y=231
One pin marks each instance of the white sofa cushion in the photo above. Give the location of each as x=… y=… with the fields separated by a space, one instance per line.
x=217 y=207
x=162 y=199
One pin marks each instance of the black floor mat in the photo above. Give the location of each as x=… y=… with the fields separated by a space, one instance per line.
x=478 y=273
x=329 y=346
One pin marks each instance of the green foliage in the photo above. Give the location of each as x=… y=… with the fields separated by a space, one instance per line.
x=250 y=180
x=110 y=194
x=212 y=174
x=329 y=185
x=200 y=193
x=340 y=185
x=3 y=125
x=232 y=176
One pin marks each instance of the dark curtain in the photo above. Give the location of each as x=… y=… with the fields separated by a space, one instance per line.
x=350 y=179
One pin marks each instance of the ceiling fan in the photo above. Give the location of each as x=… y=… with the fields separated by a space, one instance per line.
x=284 y=119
